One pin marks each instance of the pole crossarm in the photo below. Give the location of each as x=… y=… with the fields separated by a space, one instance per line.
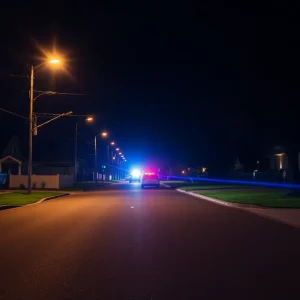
x=58 y=116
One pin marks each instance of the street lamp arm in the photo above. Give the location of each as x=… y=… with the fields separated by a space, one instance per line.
x=60 y=93
x=61 y=115
x=41 y=64
x=36 y=67
x=41 y=93
x=52 y=114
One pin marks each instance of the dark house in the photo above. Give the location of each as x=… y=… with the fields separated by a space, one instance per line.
x=12 y=162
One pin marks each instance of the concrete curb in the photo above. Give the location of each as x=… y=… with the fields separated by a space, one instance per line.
x=4 y=207
x=220 y=202
x=49 y=198
x=243 y=207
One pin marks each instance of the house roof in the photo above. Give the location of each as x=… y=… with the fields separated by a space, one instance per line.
x=10 y=158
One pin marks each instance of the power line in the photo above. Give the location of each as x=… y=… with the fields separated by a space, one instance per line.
x=52 y=114
x=12 y=113
x=58 y=93
x=19 y=76
x=72 y=94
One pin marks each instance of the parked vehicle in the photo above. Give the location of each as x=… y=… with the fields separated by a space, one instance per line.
x=150 y=179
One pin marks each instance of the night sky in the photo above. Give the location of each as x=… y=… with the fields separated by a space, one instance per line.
x=197 y=84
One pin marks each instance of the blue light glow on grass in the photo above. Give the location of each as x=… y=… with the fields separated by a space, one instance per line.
x=254 y=183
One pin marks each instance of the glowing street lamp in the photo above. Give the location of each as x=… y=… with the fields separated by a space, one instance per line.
x=54 y=61
x=104 y=134
x=117 y=149
x=112 y=143
x=89 y=119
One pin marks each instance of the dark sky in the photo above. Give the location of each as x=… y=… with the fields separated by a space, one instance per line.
x=179 y=83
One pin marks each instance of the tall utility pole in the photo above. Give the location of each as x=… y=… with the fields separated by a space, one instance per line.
x=120 y=168
x=95 y=154
x=108 y=167
x=75 y=153
x=89 y=120
x=30 y=128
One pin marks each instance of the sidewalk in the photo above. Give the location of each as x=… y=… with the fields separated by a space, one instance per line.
x=288 y=216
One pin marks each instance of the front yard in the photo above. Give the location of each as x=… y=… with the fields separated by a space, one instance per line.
x=213 y=187
x=22 y=198
x=268 y=198
x=243 y=194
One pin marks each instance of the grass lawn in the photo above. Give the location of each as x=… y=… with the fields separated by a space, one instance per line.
x=172 y=181
x=272 y=198
x=22 y=198
x=213 y=187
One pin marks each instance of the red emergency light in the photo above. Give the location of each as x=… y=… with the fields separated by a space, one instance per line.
x=149 y=173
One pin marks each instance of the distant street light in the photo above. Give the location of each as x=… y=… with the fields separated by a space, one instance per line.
x=89 y=120
x=104 y=134
x=31 y=99
x=112 y=143
x=117 y=149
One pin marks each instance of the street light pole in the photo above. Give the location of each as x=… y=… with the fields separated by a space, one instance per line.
x=31 y=100
x=75 y=158
x=95 y=154
x=119 y=167
x=30 y=128
x=89 y=119
x=108 y=168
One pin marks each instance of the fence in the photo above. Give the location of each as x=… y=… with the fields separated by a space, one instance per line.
x=41 y=181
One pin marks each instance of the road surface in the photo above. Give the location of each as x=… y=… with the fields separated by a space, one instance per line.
x=127 y=243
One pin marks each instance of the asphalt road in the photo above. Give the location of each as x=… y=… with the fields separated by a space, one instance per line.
x=127 y=243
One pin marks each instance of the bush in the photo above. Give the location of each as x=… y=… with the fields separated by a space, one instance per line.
x=22 y=186
x=43 y=184
x=34 y=185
